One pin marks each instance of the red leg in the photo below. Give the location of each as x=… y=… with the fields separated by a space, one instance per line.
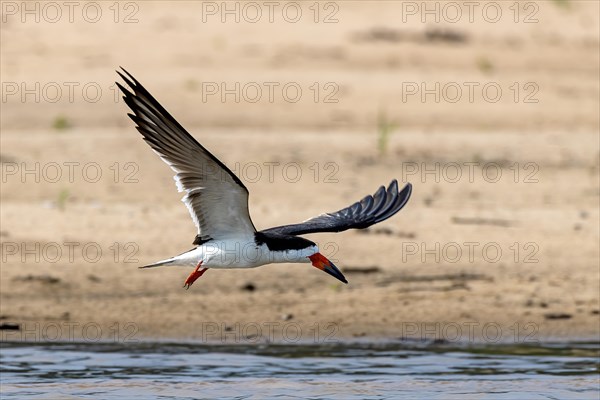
x=197 y=273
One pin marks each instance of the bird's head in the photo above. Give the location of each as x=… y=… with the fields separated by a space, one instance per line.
x=296 y=249
x=321 y=262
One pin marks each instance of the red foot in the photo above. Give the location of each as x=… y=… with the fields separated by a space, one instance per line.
x=197 y=273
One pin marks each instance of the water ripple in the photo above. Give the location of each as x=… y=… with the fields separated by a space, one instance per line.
x=337 y=371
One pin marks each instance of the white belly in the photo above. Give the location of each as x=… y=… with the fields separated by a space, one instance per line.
x=239 y=254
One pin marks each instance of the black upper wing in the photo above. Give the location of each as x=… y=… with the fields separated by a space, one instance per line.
x=362 y=214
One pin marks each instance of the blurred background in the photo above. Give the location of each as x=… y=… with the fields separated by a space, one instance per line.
x=490 y=109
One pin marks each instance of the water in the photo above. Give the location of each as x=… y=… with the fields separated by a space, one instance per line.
x=337 y=371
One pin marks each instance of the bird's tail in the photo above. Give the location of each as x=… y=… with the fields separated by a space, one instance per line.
x=160 y=263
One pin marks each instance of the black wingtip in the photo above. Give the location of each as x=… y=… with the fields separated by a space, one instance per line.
x=407 y=188
x=404 y=196
x=129 y=80
x=129 y=76
x=406 y=192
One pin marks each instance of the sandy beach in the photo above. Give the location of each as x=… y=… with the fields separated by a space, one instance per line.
x=495 y=125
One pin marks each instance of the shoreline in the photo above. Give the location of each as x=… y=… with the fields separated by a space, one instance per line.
x=349 y=342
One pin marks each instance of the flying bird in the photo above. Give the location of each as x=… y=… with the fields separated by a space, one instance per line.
x=218 y=202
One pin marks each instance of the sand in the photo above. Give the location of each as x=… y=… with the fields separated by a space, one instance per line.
x=498 y=243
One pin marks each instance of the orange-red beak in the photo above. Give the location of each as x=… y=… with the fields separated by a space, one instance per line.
x=320 y=261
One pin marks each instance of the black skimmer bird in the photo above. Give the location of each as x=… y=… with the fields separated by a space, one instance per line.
x=218 y=202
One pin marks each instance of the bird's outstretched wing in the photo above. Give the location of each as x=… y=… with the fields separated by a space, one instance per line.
x=216 y=198
x=362 y=214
